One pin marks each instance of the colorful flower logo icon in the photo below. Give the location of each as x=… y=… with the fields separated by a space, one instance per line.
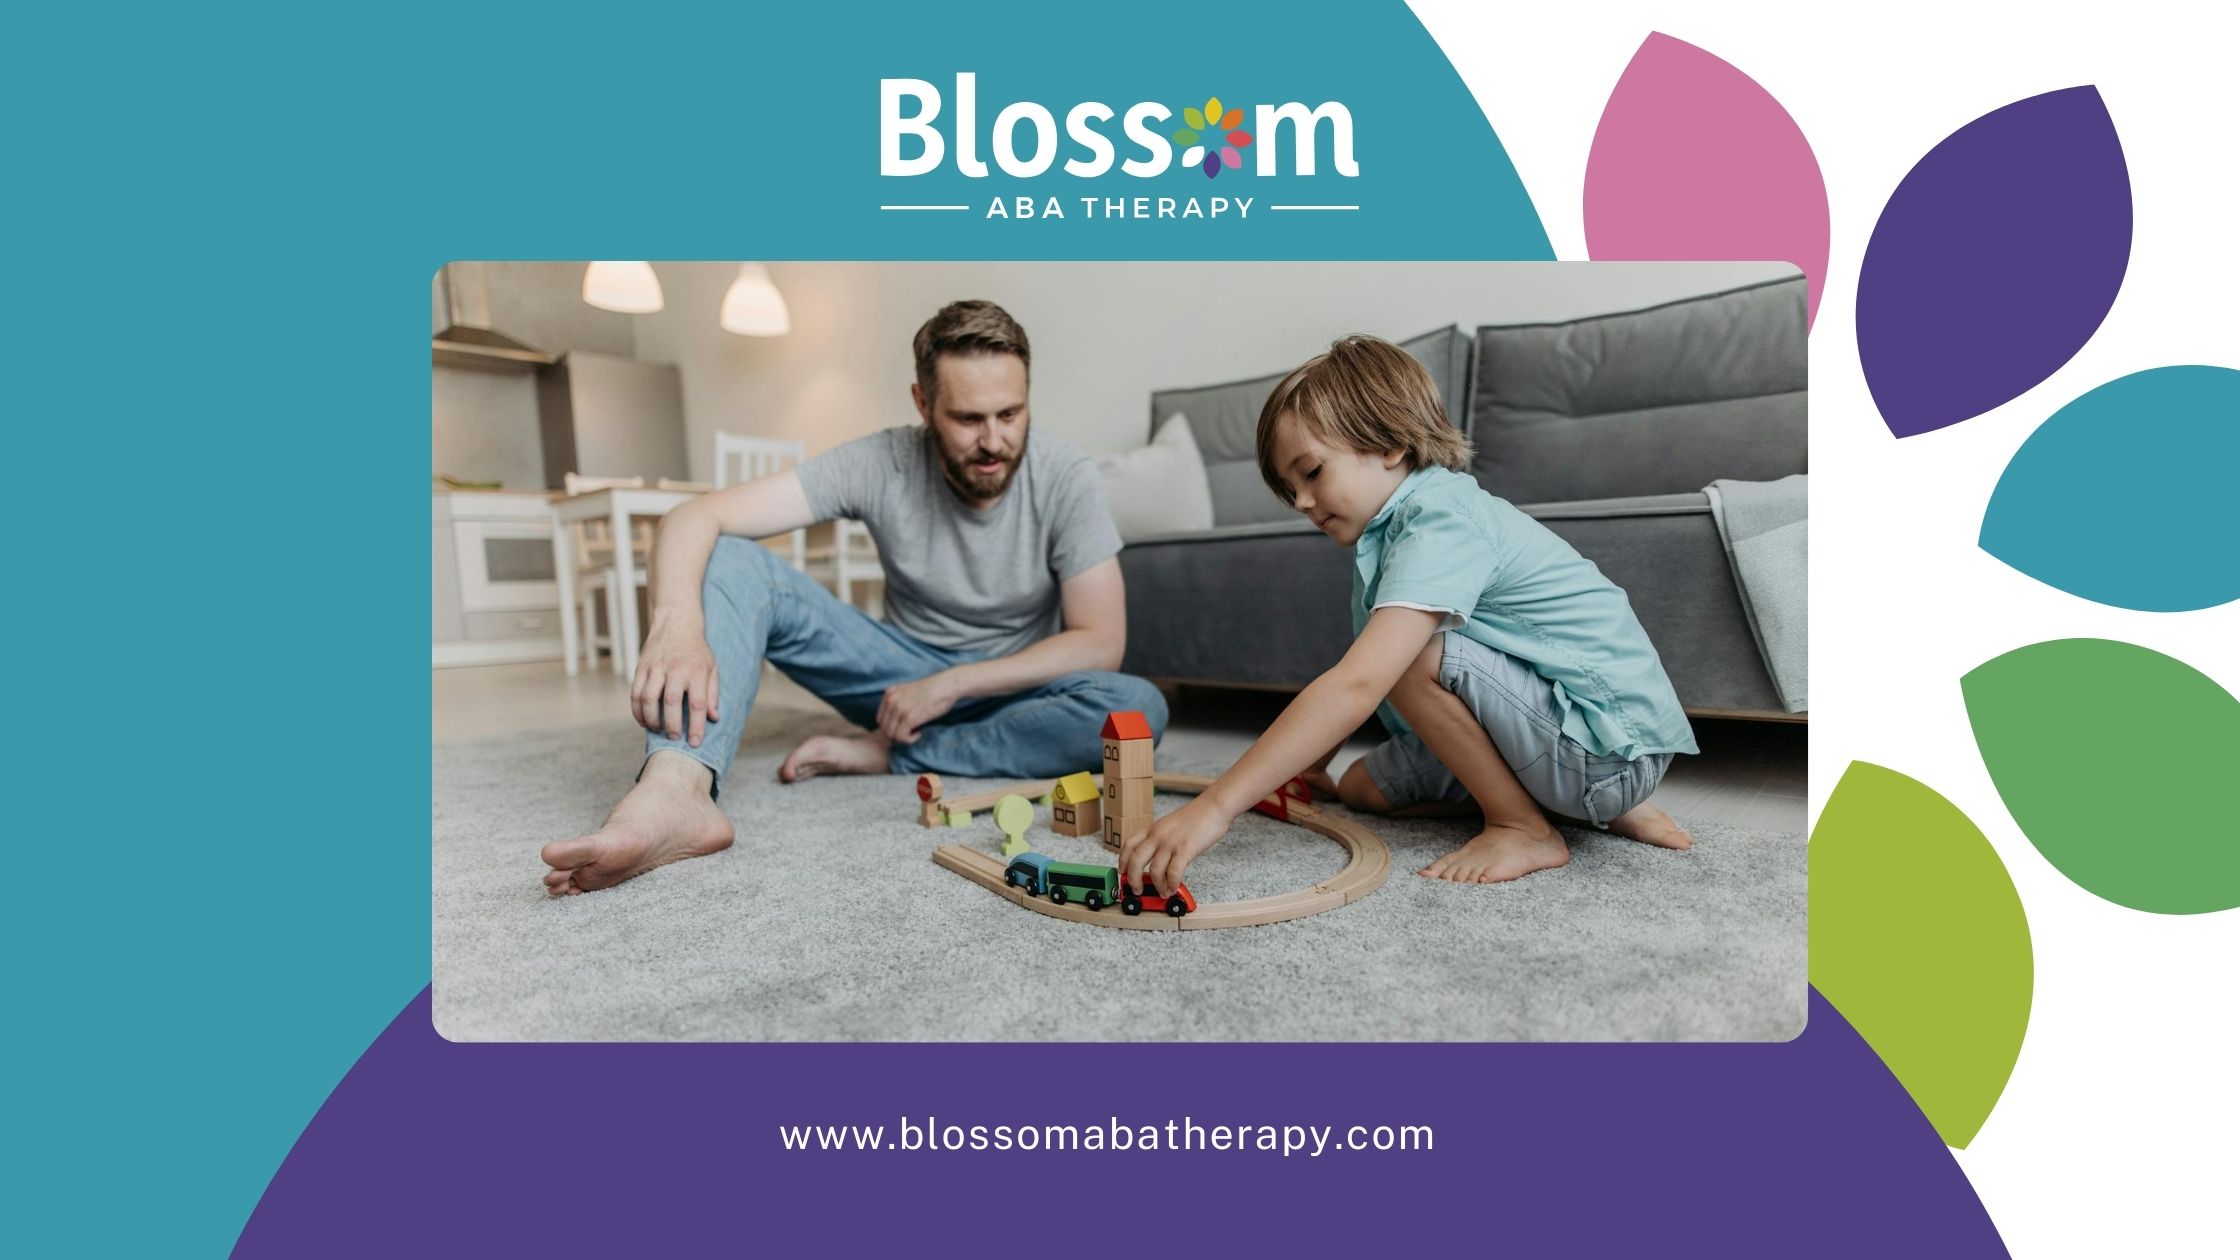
x=1200 y=152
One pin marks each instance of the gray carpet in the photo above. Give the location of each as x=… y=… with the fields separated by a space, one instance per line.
x=827 y=921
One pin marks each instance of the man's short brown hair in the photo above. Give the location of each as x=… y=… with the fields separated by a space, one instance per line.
x=1364 y=394
x=968 y=328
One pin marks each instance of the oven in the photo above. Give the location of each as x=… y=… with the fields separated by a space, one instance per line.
x=504 y=565
x=496 y=598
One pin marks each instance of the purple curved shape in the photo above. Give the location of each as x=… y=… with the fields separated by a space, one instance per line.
x=1804 y=1148
x=1994 y=261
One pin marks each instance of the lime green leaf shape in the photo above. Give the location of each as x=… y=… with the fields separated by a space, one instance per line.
x=2114 y=760
x=1917 y=936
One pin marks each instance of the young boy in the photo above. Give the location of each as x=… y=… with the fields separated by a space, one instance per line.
x=1510 y=672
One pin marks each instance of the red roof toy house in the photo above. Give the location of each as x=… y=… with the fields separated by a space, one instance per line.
x=1127 y=776
x=1127 y=725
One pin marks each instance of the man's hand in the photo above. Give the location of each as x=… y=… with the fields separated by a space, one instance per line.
x=675 y=670
x=907 y=706
x=1161 y=854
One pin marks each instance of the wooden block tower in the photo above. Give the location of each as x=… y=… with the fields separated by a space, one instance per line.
x=1127 y=777
x=1075 y=808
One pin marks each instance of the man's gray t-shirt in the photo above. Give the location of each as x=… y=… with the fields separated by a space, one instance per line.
x=985 y=582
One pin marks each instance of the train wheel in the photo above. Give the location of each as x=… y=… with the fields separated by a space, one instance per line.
x=1129 y=905
x=1058 y=894
x=1175 y=908
x=1095 y=900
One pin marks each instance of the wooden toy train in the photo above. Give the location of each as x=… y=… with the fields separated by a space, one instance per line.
x=1093 y=886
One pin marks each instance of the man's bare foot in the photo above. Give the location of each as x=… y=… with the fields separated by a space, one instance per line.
x=835 y=754
x=666 y=818
x=1502 y=853
x=1651 y=825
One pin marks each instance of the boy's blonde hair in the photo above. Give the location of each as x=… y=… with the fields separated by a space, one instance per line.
x=1365 y=394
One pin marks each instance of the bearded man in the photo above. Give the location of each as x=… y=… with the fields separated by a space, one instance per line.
x=1005 y=613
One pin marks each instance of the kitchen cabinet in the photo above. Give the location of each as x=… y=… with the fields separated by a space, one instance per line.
x=496 y=599
x=602 y=415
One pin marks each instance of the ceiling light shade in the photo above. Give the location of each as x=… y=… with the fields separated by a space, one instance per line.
x=753 y=307
x=628 y=287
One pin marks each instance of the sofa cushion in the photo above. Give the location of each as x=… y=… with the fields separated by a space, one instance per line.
x=1223 y=419
x=1664 y=553
x=1243 y=606
x=1160 y=488
x=1658 y=401
x=1268 y=605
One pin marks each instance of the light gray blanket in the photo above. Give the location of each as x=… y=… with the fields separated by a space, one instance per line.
x=1762 y=524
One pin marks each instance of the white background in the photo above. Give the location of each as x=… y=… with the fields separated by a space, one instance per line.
x=2115 y=1134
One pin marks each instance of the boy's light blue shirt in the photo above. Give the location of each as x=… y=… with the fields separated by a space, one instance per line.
x=1442 y=544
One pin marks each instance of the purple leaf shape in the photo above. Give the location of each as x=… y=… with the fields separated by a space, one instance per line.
x=1213 y=165
x=1994 y=261
x=1693 y=160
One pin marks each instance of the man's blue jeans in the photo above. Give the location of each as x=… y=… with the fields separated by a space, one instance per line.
x=758 y=608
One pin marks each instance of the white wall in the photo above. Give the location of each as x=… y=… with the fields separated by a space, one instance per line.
x=1105 y=335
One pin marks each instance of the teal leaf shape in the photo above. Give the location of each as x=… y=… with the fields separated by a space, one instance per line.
x=2125 y=496
x=1917 y=936
x=2114 y=760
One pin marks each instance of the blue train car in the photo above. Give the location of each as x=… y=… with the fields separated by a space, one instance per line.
x=1030 y=871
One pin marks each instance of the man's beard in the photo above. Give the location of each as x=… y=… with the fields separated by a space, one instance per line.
x=972 y=484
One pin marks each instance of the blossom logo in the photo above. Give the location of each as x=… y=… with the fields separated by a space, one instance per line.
x=1204 y=156
x=923 y=131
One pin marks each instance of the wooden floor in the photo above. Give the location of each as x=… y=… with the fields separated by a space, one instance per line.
x=1749 y=773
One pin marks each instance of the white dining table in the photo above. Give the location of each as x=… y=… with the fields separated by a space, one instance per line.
x=618 y=507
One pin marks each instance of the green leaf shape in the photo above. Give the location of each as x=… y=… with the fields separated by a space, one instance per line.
x=1918 y=937
x=1183 y=135
x=1193 y=117
x=2113 y=759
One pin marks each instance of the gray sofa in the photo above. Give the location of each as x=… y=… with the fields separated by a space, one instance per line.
x=1604 y=429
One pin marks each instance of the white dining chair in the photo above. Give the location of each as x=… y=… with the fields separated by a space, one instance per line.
x=762 y=457
x=850 y=558
x=595 y=566
x=855 y=558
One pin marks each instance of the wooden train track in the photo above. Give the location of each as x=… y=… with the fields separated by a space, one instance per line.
x=1368 y=862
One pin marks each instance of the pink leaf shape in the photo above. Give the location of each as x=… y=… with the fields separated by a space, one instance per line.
x=1693 y=160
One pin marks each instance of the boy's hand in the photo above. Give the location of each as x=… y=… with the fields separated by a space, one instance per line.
x=1321 y=784
x=1161 y=854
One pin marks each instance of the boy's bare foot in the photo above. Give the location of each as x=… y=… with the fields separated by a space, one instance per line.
x=835 y=754
x=1651 y=825
x=1502 y=853
x=666 y=818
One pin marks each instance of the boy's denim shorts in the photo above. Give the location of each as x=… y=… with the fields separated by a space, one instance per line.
x=1517 y=708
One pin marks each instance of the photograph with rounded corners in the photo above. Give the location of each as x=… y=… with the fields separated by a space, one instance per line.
x=1259 y=652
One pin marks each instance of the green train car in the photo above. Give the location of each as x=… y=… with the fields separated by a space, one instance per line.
x=1093 y=886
